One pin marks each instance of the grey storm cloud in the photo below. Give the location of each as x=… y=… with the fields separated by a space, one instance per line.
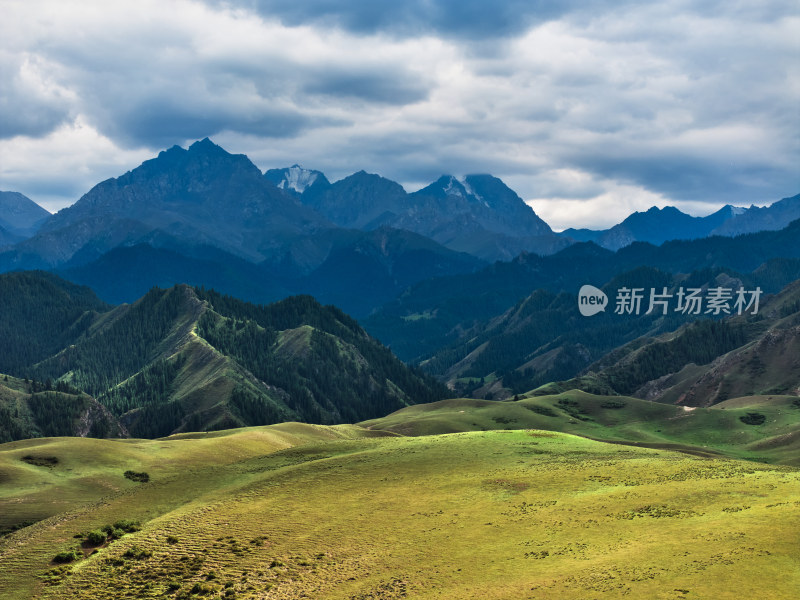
x=26 y=106
x=458 y=18
x=381 y=88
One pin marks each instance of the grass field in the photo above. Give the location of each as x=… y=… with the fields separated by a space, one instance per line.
x=718 y=430
x=300 y=511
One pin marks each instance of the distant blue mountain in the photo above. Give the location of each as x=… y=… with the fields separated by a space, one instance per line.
x=20 y=216
x=656 y=226
x=768 y=218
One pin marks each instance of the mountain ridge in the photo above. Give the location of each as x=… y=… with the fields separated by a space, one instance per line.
x=190 y=359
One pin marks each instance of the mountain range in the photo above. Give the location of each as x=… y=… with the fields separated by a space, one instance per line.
x=291 y=220
x=658 y=225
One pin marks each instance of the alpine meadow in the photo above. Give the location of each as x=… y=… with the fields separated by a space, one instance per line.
x=416 y=301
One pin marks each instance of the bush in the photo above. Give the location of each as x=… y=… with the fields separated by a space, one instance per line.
x=128 y=525
x=95 y=538
x=66 y=557
x=613 y=404
x=203 y=589
x=753 y=418
x=137 y=553
x=171 y=539
x=141 y=477
x=541 y=410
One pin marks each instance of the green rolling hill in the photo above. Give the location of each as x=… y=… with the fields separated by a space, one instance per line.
x=347 y=513
x=762 y=428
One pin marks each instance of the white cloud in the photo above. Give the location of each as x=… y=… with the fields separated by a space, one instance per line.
x=57 y=169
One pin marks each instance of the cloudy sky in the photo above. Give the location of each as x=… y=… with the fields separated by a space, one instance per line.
x=589 y=109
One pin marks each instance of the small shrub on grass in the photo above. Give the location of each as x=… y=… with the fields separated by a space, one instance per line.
x=95 y=538
x=139 y=476
x=203 y=589
x=171 y=539
x=66 y=557
x=613 y=404
x=503 y=420
x=541 y=410
x=753 y=418
x=137 y=553
x=573 y=409
x=41 y=461
x=173 y=585
x=128 y=525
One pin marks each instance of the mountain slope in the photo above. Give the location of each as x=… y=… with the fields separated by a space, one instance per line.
x=479 y=215
x=361 y=201
x=40 y=314
x=30 y=409
x=7 y=238
x=186 y=359
x=703 y=365
x=355 y=270
x=19 y=215
x=126 y=273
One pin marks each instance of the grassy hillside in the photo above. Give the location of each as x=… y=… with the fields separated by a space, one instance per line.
x=296 y=511
x=722 y=430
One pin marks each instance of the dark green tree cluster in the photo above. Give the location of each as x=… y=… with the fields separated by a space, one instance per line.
x=55 y=413
x=253 y=409
x=151 y=386
x=123 y=347
x=157 y=420
x=12 y=427
x=40 y=315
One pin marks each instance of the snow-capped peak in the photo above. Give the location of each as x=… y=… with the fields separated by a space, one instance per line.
x=453 y=187
x=297 y=178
